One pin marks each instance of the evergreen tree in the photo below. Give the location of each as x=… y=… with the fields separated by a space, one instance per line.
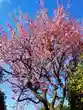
x=2 y=101
x=75 y=86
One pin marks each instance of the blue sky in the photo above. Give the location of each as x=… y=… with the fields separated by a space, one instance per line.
x=31 y=6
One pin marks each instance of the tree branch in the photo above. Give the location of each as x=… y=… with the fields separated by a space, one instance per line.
x=13 y=84
x=8 y=72
x=27 y=98
x=54 y=97
x=38 y=96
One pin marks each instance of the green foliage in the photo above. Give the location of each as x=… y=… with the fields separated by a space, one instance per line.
x=58 y=108
x=2 y=101
x=42 y=109
x=75 y=88
x=75 y=80
x=81 y=99
x=66 y=108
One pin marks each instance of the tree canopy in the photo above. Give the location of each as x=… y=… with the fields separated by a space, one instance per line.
x=75 y=79
x=38 y=53
x=75 y=87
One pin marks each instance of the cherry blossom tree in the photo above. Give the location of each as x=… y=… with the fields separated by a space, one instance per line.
x=38 y=53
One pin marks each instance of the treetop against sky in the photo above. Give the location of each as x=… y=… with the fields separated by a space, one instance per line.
x=36 y=51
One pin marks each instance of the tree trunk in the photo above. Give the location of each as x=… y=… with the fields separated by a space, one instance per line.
x=46 y=107
x=51 y=107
